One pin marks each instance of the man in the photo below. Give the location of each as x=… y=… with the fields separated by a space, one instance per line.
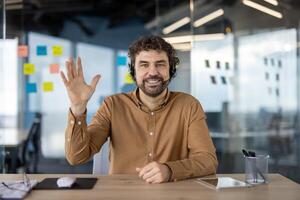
x=160 y=135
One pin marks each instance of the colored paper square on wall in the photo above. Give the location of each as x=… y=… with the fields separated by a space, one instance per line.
x=28 y=68
x=128 y=78
x=31 y=88
x=121 y=61
x=41 y=50
x=23 y=51
x=54 y=68
x=57 y=50
x=48 y=87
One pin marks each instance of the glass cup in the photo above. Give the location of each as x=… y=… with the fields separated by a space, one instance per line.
x=256 y=169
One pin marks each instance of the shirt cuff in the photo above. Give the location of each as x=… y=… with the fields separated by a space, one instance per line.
x=74 y=122
x=176 y=171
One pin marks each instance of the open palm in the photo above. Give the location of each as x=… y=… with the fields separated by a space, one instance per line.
x=78 y=91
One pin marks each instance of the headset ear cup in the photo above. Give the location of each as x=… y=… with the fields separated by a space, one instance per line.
x=172 y=71
x=131 y=71
x=173 y=68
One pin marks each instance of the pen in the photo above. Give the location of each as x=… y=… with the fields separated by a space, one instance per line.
x=245 y=153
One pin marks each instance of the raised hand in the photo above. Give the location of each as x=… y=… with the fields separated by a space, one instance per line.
x=78 y=91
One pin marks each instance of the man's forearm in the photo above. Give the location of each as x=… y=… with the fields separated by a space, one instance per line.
x=77 y=140
x=82 y=141
x=202 y=164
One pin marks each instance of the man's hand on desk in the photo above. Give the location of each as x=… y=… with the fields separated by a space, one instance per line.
x=154 y=172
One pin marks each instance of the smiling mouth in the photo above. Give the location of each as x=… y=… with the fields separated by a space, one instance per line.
x=153 y=82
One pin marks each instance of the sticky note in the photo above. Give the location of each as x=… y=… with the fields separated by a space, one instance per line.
x=31 y=88
x=28 y=68
x=23 y=51
x=41 y=50
x=57 y=50
x=48 y=87
x=54 y=68
x=121 y=60
x=128 y=78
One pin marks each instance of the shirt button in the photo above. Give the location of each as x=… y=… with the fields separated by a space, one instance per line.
x=72 y=121
x=152 y=113
x=151 y=133
x=68 y=139
x=79 y=122
x=150 y=154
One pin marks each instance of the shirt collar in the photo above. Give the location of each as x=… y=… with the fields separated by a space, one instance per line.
x=139 y=103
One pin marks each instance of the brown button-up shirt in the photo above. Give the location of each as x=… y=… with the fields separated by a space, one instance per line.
x=175 y=133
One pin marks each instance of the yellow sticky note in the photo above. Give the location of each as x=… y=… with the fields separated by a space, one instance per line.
x=57 y=50
x=28 y=68
x=128 y=78
x=48 y=87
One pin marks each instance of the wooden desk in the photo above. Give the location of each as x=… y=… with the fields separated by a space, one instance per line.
x=131 y=187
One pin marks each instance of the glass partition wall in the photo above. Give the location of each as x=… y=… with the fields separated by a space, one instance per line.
x=1 y=69
x=9 y=94
x=247 y=81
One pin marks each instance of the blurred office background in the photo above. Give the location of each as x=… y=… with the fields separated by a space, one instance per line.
x=240 y=58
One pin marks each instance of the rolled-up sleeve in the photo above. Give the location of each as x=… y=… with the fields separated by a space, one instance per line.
x=82 y=141
x=202 y=158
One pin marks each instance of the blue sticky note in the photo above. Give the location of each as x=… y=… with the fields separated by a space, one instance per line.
x=41 y=50
x=31 y=88
x=121 y=60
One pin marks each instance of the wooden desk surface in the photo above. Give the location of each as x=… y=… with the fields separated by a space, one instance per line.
x=131 y=187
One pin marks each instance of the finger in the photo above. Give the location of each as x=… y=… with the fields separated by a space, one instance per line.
x=156 y=181
x=150 y=173
x=79 y=67
x=69 y=71
x=72 y=67
x=145 y=169
x=63 y=77
x=138 y=169
x=153 y=179
x=95 y=81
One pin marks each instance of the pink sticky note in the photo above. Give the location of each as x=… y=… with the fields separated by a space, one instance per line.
x=22 y=51
x=54 y=68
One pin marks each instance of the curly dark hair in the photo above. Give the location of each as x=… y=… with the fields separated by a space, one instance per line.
x=152 y=43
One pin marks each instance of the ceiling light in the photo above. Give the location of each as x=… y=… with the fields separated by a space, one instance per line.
x=187 y=46
x=208 y=17
x=191 y=38
x=262 y=8
x=176 y=25
x=273 y=2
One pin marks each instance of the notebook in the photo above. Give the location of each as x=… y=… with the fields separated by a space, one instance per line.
x=15 y=189
x=219 y=183
x=80 y=183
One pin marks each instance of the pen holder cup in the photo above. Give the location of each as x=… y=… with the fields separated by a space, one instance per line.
x=256 y=169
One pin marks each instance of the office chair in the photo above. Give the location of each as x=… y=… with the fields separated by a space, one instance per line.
x=30 y=150
x=101 y=161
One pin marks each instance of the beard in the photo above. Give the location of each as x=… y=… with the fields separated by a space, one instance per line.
x=153 y=86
